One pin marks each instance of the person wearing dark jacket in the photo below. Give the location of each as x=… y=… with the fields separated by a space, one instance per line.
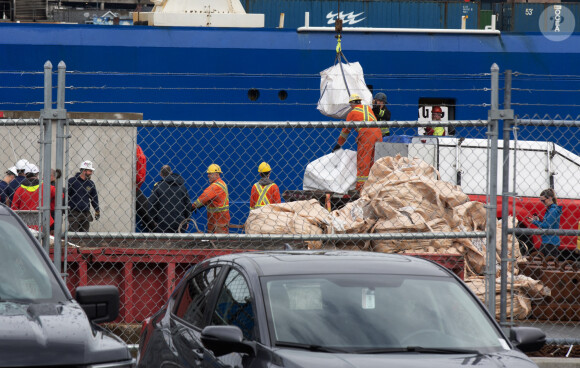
x=82 y=193
x=15 y=184
x=11 y=173
x=381 y=112
x=169 y=203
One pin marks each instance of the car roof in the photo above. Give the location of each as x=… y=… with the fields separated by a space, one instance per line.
x=276 y=263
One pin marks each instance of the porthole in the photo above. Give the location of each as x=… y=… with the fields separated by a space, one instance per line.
x=253 y=94
x=282 y=95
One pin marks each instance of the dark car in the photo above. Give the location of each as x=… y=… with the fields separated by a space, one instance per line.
x=327 y=309
x=40 y=323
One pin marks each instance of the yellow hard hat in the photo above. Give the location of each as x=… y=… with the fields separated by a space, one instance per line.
x=213 y=168
x=354 y=97
x=264 y=167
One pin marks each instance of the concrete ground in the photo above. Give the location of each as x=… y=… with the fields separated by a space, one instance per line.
x=557 y=362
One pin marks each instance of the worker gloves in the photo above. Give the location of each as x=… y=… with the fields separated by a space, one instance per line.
x=97 y=215
x=336 y=148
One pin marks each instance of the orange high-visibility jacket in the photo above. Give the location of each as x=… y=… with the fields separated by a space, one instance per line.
x=366 y=139
x=217 y=200
x=141 y=167
x=263 y=195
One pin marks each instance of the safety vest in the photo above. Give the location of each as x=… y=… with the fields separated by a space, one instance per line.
x=262 y=197
x=367 y=114
x=359 y=113
x=225 y=205
x=32 y=188
x=384 y=130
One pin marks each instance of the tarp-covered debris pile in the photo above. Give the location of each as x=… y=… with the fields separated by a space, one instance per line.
x=404 y=195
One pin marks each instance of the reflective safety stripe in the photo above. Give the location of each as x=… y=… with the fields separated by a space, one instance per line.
x=367 y=114
x=226 y=206
x=33 y=188
x=218 y=209
x=384 y=130
x=262 y=198
x=361 y=178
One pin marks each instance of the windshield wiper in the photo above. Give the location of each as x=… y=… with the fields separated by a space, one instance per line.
x=418 y=349
x=310 y=347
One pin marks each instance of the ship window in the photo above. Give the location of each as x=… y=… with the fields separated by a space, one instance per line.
x=253 y=94
x=447 y=106
x=282 y=95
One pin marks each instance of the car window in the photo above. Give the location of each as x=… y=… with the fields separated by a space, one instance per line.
x=25 y=275
x=234 y=306
x=360 y=312
x=193 y=301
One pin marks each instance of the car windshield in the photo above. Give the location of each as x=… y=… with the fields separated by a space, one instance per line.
x=24 y=275
x=377 y=314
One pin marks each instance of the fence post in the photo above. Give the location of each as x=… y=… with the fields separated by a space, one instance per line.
x=505 y=200
x=492 y=191
x=46 y=141
x=58 y=208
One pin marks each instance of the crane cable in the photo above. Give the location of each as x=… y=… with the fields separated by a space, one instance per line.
x=339 y=54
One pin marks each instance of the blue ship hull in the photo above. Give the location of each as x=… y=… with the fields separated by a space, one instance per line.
x=206 y=73
x=216 y=67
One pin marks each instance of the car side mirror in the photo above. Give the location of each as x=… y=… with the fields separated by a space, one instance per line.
x=100 y=303
x=224 y=340
x=527 y=339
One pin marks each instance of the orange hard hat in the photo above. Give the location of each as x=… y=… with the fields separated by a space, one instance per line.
x=436 y=109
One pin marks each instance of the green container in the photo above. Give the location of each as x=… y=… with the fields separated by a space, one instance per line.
x=485 y=18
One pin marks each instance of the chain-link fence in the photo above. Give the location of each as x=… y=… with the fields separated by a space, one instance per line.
x=546 y=201
x=426 y=196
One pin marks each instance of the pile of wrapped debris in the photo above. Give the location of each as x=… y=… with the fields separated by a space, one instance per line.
x=404 y=195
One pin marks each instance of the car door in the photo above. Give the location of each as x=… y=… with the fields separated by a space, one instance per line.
x=190 y=313
x=235 y=306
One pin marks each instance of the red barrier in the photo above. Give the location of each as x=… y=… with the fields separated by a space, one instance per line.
x=528 y=206
x=146 y=277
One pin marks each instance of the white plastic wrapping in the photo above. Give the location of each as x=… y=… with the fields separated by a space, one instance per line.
x=335 y=172
x=334 y=95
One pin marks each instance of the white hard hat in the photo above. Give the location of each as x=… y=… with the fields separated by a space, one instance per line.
x=21 y=164
x=13 y=170
x=31 y=169
x=87 y=165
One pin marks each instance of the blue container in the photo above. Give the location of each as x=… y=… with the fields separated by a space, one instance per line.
x=380 y=14
x=528 y=17
x=398 y=139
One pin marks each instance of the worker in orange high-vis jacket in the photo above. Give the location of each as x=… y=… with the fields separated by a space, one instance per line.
x=365 y=141
x=217 y=201
x=264 y=191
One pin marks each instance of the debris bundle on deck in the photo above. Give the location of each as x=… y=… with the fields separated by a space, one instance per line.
x=405 y=195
